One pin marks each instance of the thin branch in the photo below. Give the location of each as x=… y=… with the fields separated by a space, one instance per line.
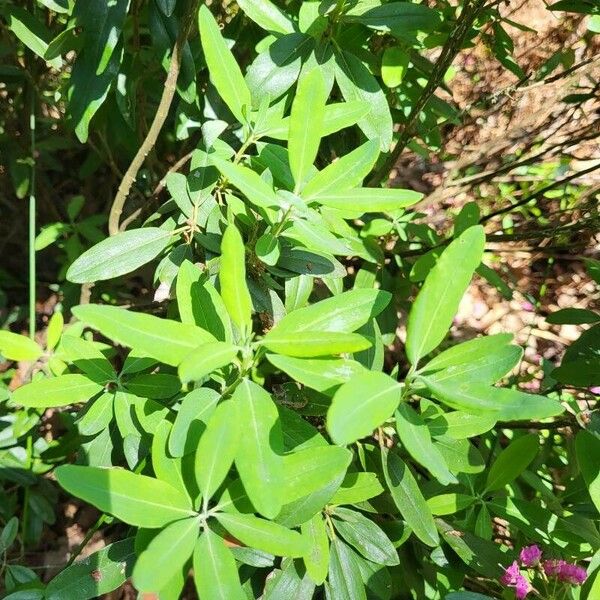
x=449 y=51
x=157 y=124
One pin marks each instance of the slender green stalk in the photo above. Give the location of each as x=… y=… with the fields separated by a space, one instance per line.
x=32 y=219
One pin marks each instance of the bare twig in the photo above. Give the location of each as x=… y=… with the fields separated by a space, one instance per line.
x=157 y=124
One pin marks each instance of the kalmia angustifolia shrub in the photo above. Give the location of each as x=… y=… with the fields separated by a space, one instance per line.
x=250 y=428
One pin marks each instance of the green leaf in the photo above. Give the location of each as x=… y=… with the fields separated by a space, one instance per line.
x=87 y=357
x=461 y=425
x=356 y=82
x=505 y=404
x=319 y=374
x=408 y=498
x=587 y=449
x=217 y=448
x=306 y=125
x=313 y=343
x=398 y=18
x=119 y=254
x=344 y=579
x=291 y=581
x=448 y=504
x=485 y=359
x=368 y=200
x=357 y=487
x=267 y=248
x=54 y=331
x=311 y=469
x=166 y=467
x=31 y=31
x=394 y=64
x=575 y=316
x=222 y=66
x=316 y=559
x=343 y=313
x=512 y=461
x=192 y=416
x=364 y=535
x=18 y=347
x=199 y=302
x=267 y=15
x=256 y=190
x=156 y=386
x=207 y=358
x=345 y=173
x=415 y=437
x=97 y=63
x=259 y=461
x=170 y=549
x=432 y=312
x=56 y=391
x=134 y=499
x=163 y=339
x=264 y=535
x=232 y=278
x=215 y=572
x=362 y=405
x=92 y=577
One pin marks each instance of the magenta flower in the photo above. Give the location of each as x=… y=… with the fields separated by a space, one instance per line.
x=552 y=567
x=511 y=574
x=522 y=588
x=530 y=556
x=572 y=574
x=512 y=578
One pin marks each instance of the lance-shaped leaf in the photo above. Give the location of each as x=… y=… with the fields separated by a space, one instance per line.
x=57 y=391
x=163 y=339
x=87 y=357
x=511 y=462
x=356 y=82
x=367 y=537
x=505 y=404
x=199 y=302
x=344 y=574
x=306 y=123
x=206 y=359
x=344 y=313
x=259 y=461
x=232 y=278
x=316 y=559
x=156 y=386
x=171 y=548
x=18 y=347
x=256 y=189
x=408 y=498
x=337 y=116
x=587 y=449
x=367 y=200
x=432 y=312
x=311 y=469
x=343 y=174
x=398 y=18
x=485 y=359
x=267 y=15
x=263 y=535
x=362 y=405
x=215 y=572
x=224 y=70
x=314 y=343
x=119 y=254
x=98 y=62
x=98 y=574
x=194 y=412
x=320 y=374
x=217 y=448
x=357 y=487
x=135 y=499
x=415 y=437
